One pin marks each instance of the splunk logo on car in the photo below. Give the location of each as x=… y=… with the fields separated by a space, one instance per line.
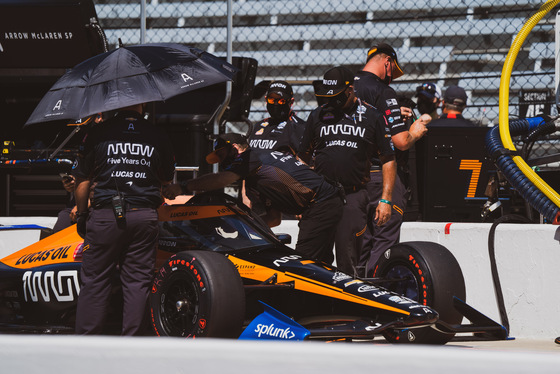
x=272 y=324
x=59 y=286
x=274 y=332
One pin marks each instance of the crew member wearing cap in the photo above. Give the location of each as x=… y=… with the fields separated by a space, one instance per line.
x=283 y=128
x=454 y=102
x=282 y=182
x=372 y=86
x=428 y=99
x=343 y=135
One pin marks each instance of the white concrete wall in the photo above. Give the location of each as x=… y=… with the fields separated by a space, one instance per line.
x=528 y=260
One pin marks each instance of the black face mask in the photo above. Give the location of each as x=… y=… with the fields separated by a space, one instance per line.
x=425 y=105
x=337 y=102
x=278 y=112
x=387 y=80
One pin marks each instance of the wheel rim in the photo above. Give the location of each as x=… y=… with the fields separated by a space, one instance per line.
x=180 y=305
x=407 y=284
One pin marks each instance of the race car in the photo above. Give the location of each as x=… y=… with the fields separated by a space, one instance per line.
x=221 y=272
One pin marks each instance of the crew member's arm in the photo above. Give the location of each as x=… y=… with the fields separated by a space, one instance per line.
x=389 y=170
x=272 y=217
x=207 y=182
x=305 y=151
x=81 y=194
x=406 y=139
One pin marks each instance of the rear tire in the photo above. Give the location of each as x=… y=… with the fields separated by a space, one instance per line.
x=195 y=294
x=431 y=276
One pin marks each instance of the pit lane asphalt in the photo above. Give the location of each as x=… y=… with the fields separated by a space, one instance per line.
x=84 y=355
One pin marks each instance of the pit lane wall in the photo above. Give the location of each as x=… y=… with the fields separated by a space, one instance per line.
x=527 y=257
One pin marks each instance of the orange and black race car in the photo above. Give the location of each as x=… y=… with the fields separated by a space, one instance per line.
x=222 y=273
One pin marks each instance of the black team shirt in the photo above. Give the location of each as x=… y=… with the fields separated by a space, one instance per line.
x=280 y=180
x=344 y=144
x=126 y=154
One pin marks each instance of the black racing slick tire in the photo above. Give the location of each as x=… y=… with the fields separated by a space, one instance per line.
x=197 y=294
x=430 y=275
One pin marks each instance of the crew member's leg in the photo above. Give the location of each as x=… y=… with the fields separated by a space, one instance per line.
x=137 y=267
x=349 y=232
x=98 y=264
x=317 y=229
x=63 y=221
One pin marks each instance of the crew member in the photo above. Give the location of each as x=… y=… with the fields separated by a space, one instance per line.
x=454 y=102
x=372 y=86
x=428 y=99
x=283 y=128
x=127 y=159
x=67 y=216
x=282 y=182
x=343 y=135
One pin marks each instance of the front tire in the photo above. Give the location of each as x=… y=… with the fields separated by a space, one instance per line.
x=430 y=275
x=195 y=294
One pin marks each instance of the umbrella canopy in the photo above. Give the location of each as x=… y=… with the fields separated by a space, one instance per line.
x=128 y=76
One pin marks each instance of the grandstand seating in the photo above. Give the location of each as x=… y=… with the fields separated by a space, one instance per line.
x=298 y=40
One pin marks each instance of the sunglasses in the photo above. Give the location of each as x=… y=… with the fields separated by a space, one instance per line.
x=426 y=87
x=272 y=100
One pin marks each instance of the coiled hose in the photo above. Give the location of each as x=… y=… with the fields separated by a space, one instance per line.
x=504 y=104
x=503 y=158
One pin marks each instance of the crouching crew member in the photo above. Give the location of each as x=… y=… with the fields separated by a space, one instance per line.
x=282 y=182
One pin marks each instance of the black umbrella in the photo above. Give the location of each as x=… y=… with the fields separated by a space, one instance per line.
x=127 y=76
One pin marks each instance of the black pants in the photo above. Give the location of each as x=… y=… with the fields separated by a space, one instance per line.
x=132 y=247
x=317 y=229
x=377 y=239
x=350 y=230
x=63 y=221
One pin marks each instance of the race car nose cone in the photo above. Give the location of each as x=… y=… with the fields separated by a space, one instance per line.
x=422 y=315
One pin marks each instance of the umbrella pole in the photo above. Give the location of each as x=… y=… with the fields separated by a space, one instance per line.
x=76 y=130
x=218 y=117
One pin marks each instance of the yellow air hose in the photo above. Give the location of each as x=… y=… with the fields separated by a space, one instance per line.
x=505 y=135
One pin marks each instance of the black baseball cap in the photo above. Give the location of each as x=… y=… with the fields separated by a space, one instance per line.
x=221 y=143
x=455 y=95
x=430 y=90
x=334 y=82
x=282 y=88
x=389 y=51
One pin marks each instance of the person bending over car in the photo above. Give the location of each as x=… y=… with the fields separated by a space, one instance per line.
x=282 y=182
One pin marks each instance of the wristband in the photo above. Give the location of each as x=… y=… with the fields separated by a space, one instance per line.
x=386 y=202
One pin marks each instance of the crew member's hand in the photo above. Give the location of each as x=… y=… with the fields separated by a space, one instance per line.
x=74 y=214
x=406 y=112
x=69 y=183
x=418 y=129
x=81 y=224
x=171 y=191
x=382 y=214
